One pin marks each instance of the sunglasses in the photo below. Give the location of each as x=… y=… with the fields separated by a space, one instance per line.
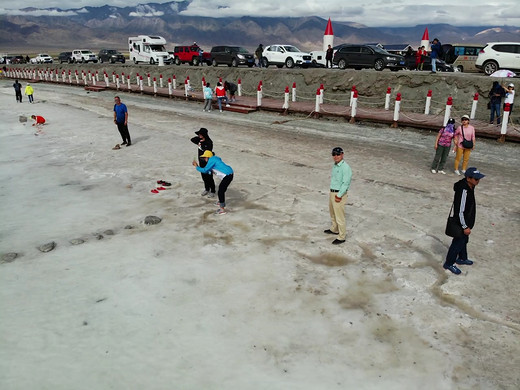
x=336 y=154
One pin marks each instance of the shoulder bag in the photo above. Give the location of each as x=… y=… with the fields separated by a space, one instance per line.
x=453 y=228
x=466 y=143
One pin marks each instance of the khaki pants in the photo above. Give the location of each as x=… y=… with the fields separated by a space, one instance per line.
x=337 y=215
x=464 y=155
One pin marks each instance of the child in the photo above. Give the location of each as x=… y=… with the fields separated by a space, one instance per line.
x=208 y=98
x=221 y=95
x=442 y=146
x=39 y=120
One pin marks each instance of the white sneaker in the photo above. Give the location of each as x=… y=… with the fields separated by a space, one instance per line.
x=463 y=171
x=457 y=172
x=434 y=171
x=442 y=172
x=227 y=105
x=220 y=110
x=211 y=195
x=204 y=193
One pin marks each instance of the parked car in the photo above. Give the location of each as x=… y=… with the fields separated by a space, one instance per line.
x=287 y=55
x=462 y=56
x=192 y=55
x=43 y=58
x=440 y=65
x=18 y=59
x=231 y=56
x=499 y=55
x=65 y=56
x=111 y=55
x=367 y=56
x=83 y=56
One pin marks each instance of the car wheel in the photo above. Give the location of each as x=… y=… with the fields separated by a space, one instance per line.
x=490 y=67
x=289 y=63
x=234 y=63
x=152 y=62
x=70 y=61
x=95 y=61
x=82 y=60
x=135 y=61
x=123 y=61
x=379 y=65
x=100 y=60
x=177 y=61
x=214 y=62
x=112 y=60
x=265 y=62
x=342 y=64
x=195 y=61
x=459 y=68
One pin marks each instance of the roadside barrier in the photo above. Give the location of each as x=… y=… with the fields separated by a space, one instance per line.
x=259 y=94
x=293 y=92
x=387 y=98
x=474 y=106
x=447 y=113
x=239 y=87
x=285 y=105
x=397 y=107
x=353 y=105
x=505 y=120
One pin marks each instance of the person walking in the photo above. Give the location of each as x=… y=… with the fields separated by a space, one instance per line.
x=464 y=144
x=339 y=184
x=495 y=101
x=121 y=120
x=442 y=146
x=221 y=96
x=259 y=52
x=464 y=211
x=215 y=165
x=208 y=98
x=435 y=54
x=204 y=142
x=328 y=57
x=18 y=91
x=29 y=92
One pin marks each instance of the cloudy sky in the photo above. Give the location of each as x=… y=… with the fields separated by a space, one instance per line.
x=372 y=13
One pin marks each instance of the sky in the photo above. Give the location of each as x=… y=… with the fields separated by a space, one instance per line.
x=372 y=13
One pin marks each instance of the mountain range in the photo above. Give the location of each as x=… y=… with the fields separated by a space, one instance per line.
x=108 y=26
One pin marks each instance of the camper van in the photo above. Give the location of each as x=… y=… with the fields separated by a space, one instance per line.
x=149 y=49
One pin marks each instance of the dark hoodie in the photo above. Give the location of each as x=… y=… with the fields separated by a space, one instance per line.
x=464 y=206
x=207 y=144
x=496 y=94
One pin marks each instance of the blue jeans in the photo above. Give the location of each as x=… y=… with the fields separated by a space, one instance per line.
x=220 y=101
x=434 y=64
x=495 y=109
x=457 y=250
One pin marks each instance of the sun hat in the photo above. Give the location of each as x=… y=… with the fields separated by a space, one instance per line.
x=202 y=131
x=465 y=117
x=511 y=85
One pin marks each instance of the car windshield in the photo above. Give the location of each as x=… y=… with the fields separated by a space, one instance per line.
x=239 y=49
x=157 y=48
x=111 y=52
x=86 y=52
x=44 y=55
x=291 y=49
x=377 y=49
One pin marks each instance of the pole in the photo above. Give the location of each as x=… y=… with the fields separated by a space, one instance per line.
x=387 y=99
x=428 y=102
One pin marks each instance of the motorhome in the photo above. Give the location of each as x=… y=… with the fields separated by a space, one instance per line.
x=149 y=49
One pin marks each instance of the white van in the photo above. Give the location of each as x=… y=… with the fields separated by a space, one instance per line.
x=149 y=49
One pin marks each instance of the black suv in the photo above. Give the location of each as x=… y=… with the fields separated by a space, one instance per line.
x=65 y=56
x=231 y=56
x=110 y=55
x=367 y=56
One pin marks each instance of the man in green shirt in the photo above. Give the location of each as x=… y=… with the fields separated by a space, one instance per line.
x=339 y=184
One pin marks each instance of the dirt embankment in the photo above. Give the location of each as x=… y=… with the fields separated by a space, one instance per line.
x=371 y=85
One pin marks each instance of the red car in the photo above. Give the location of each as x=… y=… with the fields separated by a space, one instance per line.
x=193 y=55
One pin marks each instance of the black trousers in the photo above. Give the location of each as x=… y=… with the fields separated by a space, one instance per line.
x=224 y=184
x=458 y=250
x=209 y=183
x=123 y=130
x=18 y=96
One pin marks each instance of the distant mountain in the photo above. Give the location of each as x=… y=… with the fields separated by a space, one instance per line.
x=36 y=29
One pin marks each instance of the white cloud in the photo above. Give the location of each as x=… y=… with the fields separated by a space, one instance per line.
x=48 y=12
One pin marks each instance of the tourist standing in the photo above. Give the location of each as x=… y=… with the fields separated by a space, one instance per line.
x=435 y=54
x=18 y=91
x=208 y=98
x=495 y=101
x=339 y=184
x=510 y=97
x=442 y=146
x=259 y=52
x=121 y=120
x=328 y=57
x=464 y=212
x=464 y=144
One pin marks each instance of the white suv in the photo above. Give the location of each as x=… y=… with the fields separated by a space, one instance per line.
x=83 y=56
x=287 y=55
x=499 y=55
x=43 y=59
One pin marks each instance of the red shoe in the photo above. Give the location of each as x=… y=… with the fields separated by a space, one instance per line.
x=154 y=191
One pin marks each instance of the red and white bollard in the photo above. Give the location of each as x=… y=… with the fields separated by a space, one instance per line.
x=186 y=88
x=321 y=93
x=174 y=81
x=70 y=77
x=474 y=106
x=149 y=80
x=117 y=82
x=505 y=120
x=428 y=102
x=353 y=107
x=352 y=94
x=387 y=98
x=89 y=76
x=170 y=88
x=128 y=83
x=107 y=80
x=97 y=76
x=239 y=87
x=293 y=92
x=93 y=81
x=447 y=114
x=397 y=108
x=286 y=99
x=137 y=79
x=188 y=80
x=154 y=86
x=114 y=77
x=141 y=87
x=317 y=106
x=203 y=83
x=160 y=81
x=77 y=78
x=259 y=94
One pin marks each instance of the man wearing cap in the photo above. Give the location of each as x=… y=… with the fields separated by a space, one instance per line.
x=215 y=165
x=464 y=209
x=339 y=184
x=204 y=142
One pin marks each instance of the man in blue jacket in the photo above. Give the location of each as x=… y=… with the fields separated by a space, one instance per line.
x=215 y=165
x=435 y=53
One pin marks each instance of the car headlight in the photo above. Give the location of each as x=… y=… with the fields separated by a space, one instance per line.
x=241 y=56
x=391 y=59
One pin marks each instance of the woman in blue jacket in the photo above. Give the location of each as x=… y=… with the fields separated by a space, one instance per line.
x=215 y=165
